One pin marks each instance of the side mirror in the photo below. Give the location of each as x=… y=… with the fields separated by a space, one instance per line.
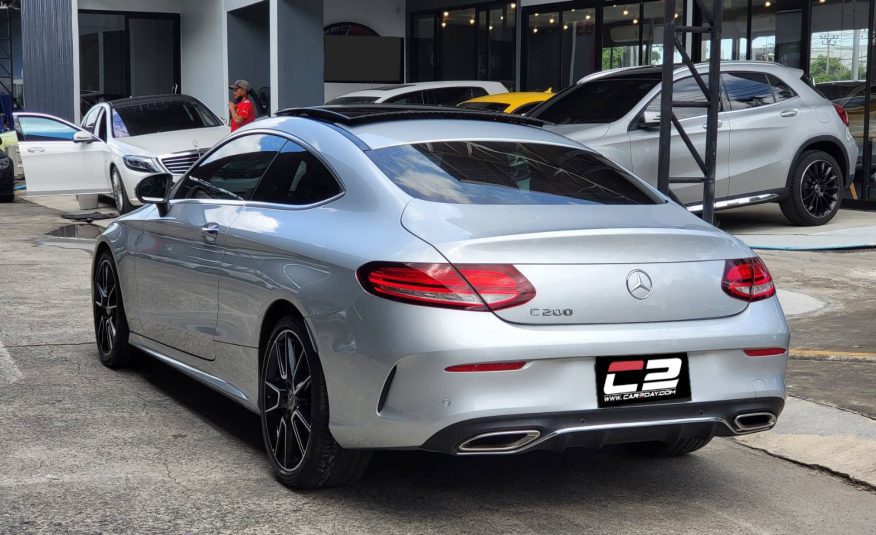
x=154 y=190
x=83 y=137
x=650 y=119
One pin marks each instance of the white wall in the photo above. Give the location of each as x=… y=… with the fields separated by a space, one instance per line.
x=386 y=17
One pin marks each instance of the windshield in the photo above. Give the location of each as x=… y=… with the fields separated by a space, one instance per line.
x=161 y=116
x=353 y=100
x=500 y=172
x=599 y=101
x=488 y=106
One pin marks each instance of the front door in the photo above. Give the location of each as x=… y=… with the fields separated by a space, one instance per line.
x=180 y=253
x=56 y=162
x=645 y=145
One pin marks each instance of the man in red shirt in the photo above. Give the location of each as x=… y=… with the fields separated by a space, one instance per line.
x=241 y=110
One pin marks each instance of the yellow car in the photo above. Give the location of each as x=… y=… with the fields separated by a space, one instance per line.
x=518 y=102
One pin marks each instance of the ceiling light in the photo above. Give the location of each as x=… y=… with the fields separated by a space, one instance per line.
x=635 y=21
x=551 y=20
x=443 y=24
x=768 y=3
x=587 y=17
x=491 y=28
x=471 y=21
x=626 y=12
x=535 y=30
x=565 y=26
x=446 y=13
x=513 y=5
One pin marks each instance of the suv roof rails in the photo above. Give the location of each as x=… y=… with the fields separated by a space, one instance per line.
x=374 y=113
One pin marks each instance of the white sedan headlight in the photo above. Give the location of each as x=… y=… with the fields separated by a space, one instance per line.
x=142 y=164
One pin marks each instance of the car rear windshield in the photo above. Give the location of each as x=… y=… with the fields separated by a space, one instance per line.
x=161 y=116
x=353 y=100
x=599 y=101
x=488 y=106
x=494 y=172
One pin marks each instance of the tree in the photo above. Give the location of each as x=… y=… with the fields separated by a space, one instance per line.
x=823 y=69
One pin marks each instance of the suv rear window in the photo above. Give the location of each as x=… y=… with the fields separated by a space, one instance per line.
x=599 y=101
x=494 y=172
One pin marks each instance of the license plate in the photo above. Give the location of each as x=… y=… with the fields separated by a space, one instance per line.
x=635 y=380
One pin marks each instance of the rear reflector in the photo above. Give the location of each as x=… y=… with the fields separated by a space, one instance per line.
x=766 y=352
x=748 y=279
x=466 y=286
x=487 y=367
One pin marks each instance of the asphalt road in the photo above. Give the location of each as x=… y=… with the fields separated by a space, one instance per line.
x=86 y=449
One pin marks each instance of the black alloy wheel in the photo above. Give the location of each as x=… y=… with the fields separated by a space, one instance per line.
x=110 y=323
x=294 y=408
x=815 y=190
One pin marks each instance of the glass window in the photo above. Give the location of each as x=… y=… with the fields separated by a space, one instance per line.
x=487 y=106
x=423 y=45
x=542 y=42
x=781 y=90
x=451 y=96
x=44 y=129
x=598 y=101
x=526 y=108
x=492 y=172
x=734 y=31
x=90 y=119
x=498 y=61
x=459 y=42
x=747 y=89
x=233 y=171
x=297 y=178
x=414 y=97
x=620 y=35
x=579 y=45
x=353 y=100
x=684 y=90
x=154 y=116
x=776 y=31
x=100 y=126
x=652 y=32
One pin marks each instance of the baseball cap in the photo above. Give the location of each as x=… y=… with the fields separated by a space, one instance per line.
x=243 y=84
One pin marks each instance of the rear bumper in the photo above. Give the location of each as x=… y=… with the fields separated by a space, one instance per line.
x=385 y=363
x=603 y=427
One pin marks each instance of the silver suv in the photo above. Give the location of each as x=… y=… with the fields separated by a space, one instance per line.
x=778 y=139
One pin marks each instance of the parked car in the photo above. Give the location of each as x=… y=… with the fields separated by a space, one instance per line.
x=778 y=139
x=117 y=144
x=448 y=93
x=402 y=278
x=520 y=102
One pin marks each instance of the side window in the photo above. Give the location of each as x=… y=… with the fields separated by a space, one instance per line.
x=525 y=108
x=296 y=178
x=477 y=92
x=747 y=89
x=233 y=171
x=451 y=96
x=90 y=119
x=100 y=128
x=45 y=129
x=781 y=90
x=408 y=98
x=684 y=90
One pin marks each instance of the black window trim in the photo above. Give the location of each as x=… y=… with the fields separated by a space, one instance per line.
x=260 y=204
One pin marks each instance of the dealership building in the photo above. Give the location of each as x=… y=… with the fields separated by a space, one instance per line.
x=303 y=52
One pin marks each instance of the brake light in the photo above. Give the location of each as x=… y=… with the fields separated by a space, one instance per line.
x=748 y=279
x=842 y=113
x=487 y=367
x=478 y=287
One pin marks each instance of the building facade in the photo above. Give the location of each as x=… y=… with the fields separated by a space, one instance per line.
x=303 y=52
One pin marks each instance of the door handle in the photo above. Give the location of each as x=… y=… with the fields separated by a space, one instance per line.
x=720 y=124
x=36 y=149
x=210 y=232
x=791 y=112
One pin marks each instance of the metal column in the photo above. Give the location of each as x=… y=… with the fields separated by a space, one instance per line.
x=712 y=92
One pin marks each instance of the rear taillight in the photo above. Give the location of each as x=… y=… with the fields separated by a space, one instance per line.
x=487 y=367
x=464 y=286
x=842 y=113
x=748 y=279
x=766 y=351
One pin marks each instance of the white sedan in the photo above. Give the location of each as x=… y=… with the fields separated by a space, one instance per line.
x=118 y=144
x=448 y=93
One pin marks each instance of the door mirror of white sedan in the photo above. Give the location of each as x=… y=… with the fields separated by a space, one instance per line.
x=83 y=137
x=651 y=119
x=154 y=190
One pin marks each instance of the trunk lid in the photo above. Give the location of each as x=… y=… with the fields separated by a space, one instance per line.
x=591 y=264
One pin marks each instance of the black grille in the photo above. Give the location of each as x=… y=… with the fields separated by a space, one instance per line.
x=179 y=163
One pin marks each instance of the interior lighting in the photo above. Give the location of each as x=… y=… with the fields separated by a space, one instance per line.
x=471 y=21
x=635 y=21
x=565 y=26
x=551 y=20
x=626 y=11
x=513 y=5
x=587 y=17
x=535 y=30
x=446 y=13
x=768 y=3
x=443 y=24
x=491 y=28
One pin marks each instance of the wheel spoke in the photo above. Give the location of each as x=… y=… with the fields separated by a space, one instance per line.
x=290 y=363
x=298 y=440
x=276 y=354
x=297 y=415
x=277 y=392
x=302 y=385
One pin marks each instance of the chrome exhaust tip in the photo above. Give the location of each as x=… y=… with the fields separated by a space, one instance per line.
x=754 y=421
x=499 y=441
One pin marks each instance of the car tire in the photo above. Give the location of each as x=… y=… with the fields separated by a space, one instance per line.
x=120 y=196
x=814 y=189
x=294 y=410
x=681 y=446
x=110 y=323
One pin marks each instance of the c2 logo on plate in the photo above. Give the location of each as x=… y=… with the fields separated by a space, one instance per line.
x=653 y=381
x=639 y=380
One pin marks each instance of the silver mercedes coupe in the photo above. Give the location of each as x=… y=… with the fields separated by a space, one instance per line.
x=381 y=277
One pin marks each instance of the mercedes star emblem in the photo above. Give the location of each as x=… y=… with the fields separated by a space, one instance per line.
x=639 y=284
